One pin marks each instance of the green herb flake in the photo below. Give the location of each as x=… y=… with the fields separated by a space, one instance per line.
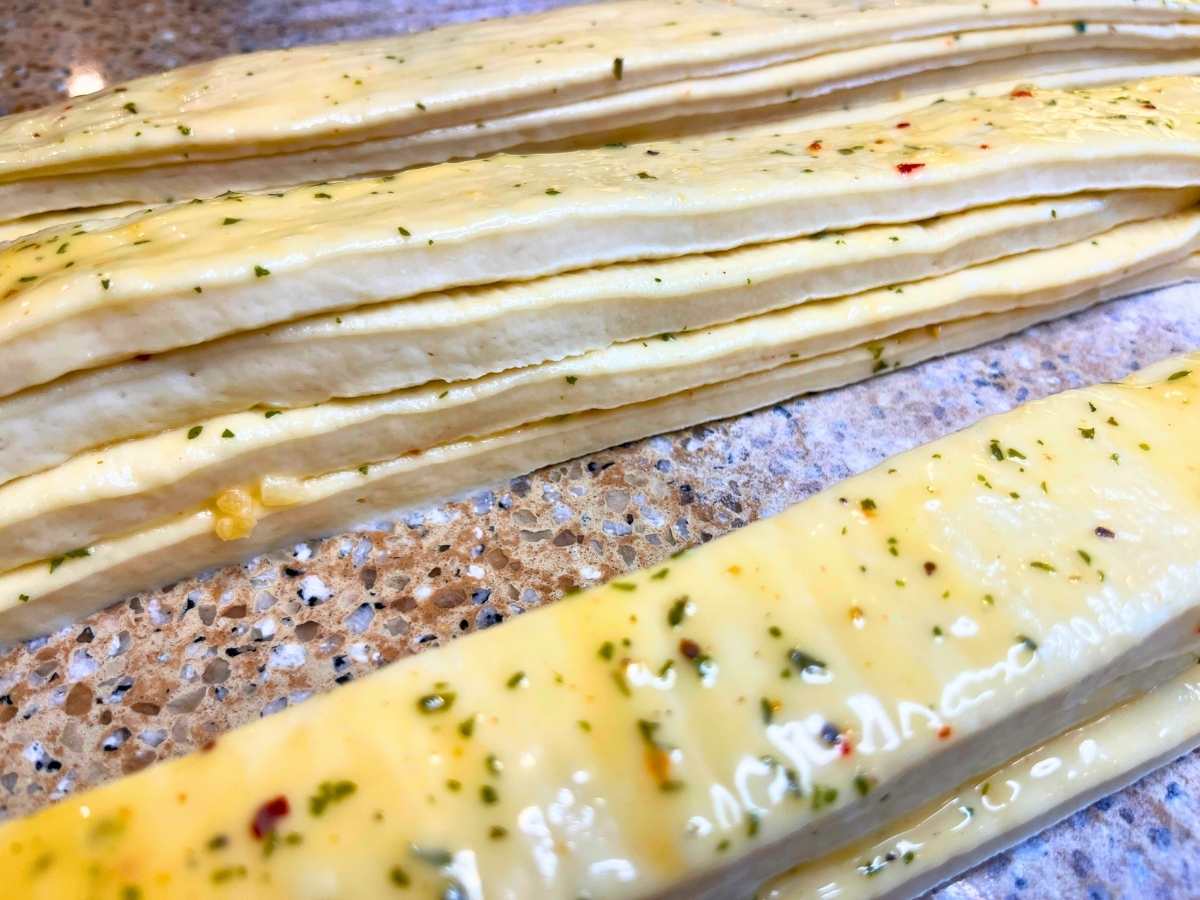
x=77 y=553
x=1182 y=373
x=194 y=432
x=805 y=662
x=261 y=271
x=618 y=68
x=227 y=433
x=1044 y=566
x=678 y=612
x=437 y=702
x=768 y=707
x=516 y=680
x=230 y=220
x=329 y=793
x=624 y=586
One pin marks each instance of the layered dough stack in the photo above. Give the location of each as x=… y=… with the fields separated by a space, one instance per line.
x=194 y=384
x=577 y=76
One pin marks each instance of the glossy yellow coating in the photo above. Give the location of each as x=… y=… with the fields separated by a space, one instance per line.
x=779 y=690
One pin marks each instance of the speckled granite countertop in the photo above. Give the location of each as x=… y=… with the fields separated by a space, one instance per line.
x=163 y=672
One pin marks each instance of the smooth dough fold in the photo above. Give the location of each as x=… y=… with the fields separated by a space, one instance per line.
x=469 y=333
x=81 y=297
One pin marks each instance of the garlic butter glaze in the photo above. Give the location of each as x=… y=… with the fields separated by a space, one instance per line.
x=691 y=729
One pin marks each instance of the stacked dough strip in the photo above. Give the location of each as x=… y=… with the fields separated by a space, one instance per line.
x=582 y=359
x=580 y=74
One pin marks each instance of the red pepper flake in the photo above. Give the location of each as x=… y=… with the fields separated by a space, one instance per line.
x=1146 y=104
x=268 y=816
x=689 y=648
x=815 y=147
x=903 y=124
x=1021 y=92
x=845 y=747
x=944 y=733
x=208 y=746
x=930 y=568
x=908 y=168
x=985 y=146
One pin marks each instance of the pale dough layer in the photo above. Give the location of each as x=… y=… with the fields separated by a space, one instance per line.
x=40 y=597
x=469 y=333
x=830 y=81
x=345 y=94
x=131 y=287
x=117 y=489
x=1065 y=70
x=872 y=102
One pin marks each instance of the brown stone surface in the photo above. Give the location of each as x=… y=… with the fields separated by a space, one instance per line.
x=162 y=673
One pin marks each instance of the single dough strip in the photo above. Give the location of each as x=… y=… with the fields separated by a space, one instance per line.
x=1059 y=70
x=834 y=80
x=410 y=84
x=128 y=486
x=40 y=597
x=1031 y=793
